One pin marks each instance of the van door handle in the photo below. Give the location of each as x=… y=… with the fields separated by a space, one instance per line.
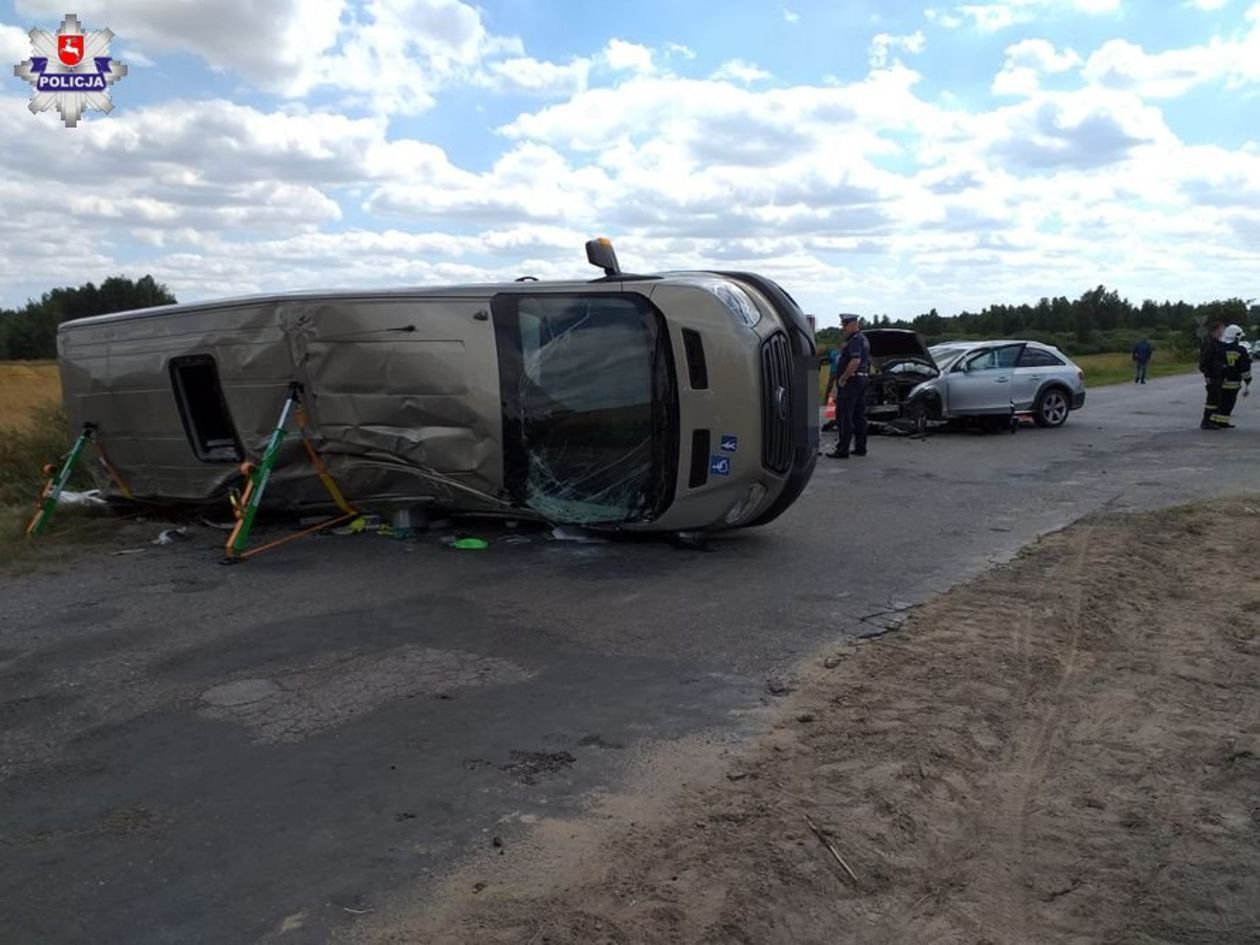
x=1003 y=380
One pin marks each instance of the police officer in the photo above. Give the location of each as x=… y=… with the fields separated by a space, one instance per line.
x=1212 y=366
x=1237 y=371
x=851 y=366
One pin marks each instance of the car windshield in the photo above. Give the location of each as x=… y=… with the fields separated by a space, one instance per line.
x=945 y=355
x=588 y=430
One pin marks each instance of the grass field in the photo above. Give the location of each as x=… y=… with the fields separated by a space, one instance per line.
x=25 y=385
x=33 y=431
x=1103 y=369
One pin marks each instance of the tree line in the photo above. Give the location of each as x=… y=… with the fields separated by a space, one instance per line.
x=1097 y=322
x=30 y=333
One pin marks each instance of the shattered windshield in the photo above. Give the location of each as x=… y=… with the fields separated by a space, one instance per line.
x=586 y=430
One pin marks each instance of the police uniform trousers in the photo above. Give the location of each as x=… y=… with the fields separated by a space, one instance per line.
x=851 y=414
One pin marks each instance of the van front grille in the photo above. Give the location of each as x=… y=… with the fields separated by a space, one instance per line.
x=776 y=403
x=700 y=442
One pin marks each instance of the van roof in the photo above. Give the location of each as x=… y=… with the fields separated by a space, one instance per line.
x=473 y=290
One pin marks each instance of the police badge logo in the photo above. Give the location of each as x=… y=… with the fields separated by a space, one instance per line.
x=71 y=70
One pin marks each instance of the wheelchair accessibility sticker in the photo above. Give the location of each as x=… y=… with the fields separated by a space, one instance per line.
x=720 y=465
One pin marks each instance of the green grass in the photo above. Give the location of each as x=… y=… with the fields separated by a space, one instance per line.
x=26 y=447
x=1117 y=368
x=44 y=437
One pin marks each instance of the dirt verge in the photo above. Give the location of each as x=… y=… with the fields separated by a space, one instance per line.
x=1066 y=750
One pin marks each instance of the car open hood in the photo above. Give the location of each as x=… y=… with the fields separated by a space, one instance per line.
x=896 y=344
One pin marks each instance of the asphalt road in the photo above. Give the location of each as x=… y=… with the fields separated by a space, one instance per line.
x=191 y=753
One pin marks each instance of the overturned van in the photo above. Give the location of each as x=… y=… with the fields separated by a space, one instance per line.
x=668 y=402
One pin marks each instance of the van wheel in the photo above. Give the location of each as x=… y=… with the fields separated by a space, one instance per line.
x=1052 y=408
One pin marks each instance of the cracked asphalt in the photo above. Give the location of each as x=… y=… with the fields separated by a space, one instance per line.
x=191 y=753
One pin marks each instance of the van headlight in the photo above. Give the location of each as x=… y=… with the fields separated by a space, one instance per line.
x=746 y=504
x=738 y=303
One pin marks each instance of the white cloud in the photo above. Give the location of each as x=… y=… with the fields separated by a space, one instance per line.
x=791 y=16
x=283 y=39
x=897 y=199
x=1208 y=6
x=739 y=71
x=622 y=56
x=134 y=57
x=294 y=47
x=943 y=18
x=1027 y=61
x=524 y=74
x=914 y=43
x=15 y=46
x=1120 y=64
x=678 y=49
x=1001 y=14
x=1081 y=130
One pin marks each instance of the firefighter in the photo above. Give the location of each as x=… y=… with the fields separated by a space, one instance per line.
x=1212 y=366
x=851 y=368
x=1237 y=371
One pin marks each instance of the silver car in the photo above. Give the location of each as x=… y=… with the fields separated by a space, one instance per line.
x=998 y=379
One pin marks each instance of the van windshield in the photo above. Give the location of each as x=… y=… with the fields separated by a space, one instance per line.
x=590 y=407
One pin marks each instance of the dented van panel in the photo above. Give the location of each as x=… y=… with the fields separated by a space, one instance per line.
x=583 y=403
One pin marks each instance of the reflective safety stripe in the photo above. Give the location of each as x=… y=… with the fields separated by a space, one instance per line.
x=1231 y=385
x=1219 y=418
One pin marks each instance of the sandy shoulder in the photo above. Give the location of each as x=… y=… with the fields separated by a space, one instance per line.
x=1065 y=750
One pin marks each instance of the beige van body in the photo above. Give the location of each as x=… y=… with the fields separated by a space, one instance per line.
x=583 y=403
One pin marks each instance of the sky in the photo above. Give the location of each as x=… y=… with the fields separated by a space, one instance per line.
x=877 y=157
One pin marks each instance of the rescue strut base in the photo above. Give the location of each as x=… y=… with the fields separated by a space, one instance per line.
x=46 y=504
x=245 y=504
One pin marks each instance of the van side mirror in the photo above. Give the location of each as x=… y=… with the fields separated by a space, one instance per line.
x=600 y=253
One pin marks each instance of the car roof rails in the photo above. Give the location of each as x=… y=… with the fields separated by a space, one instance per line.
x=600 y=253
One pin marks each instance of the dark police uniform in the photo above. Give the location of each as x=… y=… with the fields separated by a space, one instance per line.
x=851 y=398
x=1237 y=372
x=1212 y=366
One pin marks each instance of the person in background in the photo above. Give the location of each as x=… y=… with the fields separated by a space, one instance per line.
x=1212 y=367
x=851 y=367
x=1142 y=352
x=1237 y=371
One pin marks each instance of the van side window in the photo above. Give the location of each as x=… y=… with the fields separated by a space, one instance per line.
x=203 y=409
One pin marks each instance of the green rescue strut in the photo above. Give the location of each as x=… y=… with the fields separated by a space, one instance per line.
x=246 y=506
x=47 y=501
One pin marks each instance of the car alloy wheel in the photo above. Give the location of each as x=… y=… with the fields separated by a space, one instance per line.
x=1053 y=409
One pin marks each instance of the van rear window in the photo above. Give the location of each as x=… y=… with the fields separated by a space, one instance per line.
x=203 y=409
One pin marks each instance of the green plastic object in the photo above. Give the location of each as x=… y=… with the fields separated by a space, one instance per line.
x=52 y=491
x=470 y=544
x=239 y=539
